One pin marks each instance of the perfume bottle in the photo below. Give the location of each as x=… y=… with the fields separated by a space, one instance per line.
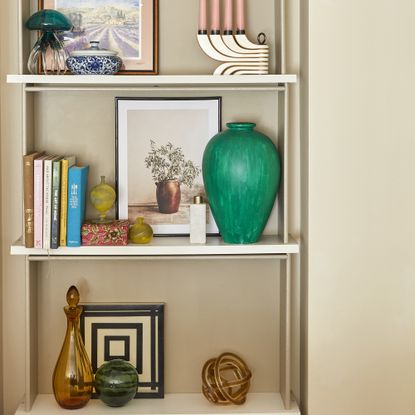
x=198 y=221
x=72 y=378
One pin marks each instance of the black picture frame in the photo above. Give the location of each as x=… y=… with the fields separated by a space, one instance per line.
x=121 y=137
x=139 y=325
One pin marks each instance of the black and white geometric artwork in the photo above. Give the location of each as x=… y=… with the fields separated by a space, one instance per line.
x=133 y=332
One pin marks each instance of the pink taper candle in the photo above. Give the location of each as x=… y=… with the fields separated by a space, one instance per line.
x=215 y=23
x=202 y=15
x=228 y=15
x=240 y=15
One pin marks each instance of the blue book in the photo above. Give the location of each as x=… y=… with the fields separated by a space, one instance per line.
x=77 y=184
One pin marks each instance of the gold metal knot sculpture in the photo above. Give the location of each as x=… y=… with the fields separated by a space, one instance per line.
x=226 y=380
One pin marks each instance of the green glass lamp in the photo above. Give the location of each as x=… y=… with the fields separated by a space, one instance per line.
x=48 y=48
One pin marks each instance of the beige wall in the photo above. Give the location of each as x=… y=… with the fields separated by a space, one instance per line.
x=1 y=262
x=361 y=285
x=10 y=167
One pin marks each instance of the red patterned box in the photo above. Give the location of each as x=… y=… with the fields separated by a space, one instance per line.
x=105 y=234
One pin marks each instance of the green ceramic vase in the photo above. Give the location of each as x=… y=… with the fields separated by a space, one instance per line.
x=241 y=173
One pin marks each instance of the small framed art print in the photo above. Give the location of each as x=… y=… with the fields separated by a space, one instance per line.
x=159 y=150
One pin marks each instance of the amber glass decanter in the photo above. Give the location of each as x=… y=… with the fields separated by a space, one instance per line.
x=72 y=377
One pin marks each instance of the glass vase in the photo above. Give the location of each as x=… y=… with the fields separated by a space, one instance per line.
x=141 y=232
x=102 y=197
x=72 y=378
x=48 y=49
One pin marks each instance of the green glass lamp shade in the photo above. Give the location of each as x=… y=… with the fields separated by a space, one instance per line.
x=116 y=382
x=241 y=173
x=48 y=21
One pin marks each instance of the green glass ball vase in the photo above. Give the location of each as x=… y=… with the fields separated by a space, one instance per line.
x=116 y=382
x=140 y=232
x=241 y=173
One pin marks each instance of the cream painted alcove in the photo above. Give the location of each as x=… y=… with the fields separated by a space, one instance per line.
x=197 y=292
x=357 y=180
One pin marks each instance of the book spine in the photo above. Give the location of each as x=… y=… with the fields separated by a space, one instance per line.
x=64 y=202
x=56 y=190
x=77 y=184
x=28 y=194
x=38 y=203
x=47 y=203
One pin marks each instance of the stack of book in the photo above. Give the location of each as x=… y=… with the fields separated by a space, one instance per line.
x=54 y=200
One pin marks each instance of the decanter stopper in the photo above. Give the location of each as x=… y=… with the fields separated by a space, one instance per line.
x=72 y=296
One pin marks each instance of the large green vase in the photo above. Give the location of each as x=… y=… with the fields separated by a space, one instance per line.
x=241 y=173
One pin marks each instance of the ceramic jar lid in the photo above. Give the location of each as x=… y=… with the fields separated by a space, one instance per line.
x=94 y=50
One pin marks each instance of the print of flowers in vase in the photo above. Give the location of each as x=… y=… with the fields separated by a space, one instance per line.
x=169 y=170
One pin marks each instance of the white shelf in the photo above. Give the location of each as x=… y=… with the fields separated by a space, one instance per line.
x=154 y=80
x=168 y=246
x=172 y=404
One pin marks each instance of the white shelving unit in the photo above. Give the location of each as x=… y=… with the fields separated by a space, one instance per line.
x=168 y=246
x=172 y=404
x=154 y=80
x=278 y=247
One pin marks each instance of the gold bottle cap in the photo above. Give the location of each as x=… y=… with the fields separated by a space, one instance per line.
x=198 y=200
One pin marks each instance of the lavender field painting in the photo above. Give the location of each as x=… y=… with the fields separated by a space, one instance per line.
x=116 y=24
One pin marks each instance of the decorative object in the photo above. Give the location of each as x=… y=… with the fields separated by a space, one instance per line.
x=49 y=47
x=72 y=377
x=141 y=232
x=132 y=332
x=198 y=221
x=240 y=56
x=116 y=382
x=102 y=198
x=114 y=233
x=241 y=172
x=94 y=61
x=159 y=144
x=226 y=380
x=128 y=27
x=169 y=170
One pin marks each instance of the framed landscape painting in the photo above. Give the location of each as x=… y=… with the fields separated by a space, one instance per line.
x=129 y=27
x=159 y=150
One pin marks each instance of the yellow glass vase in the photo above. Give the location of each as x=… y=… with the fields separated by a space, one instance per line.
x=72 y=378
x=140 y=232
x=102 y=198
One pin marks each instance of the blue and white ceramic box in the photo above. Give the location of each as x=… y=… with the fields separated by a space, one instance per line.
x=94 y=61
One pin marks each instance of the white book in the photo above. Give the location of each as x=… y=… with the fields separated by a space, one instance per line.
x=47 y=199
x=38 y=200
